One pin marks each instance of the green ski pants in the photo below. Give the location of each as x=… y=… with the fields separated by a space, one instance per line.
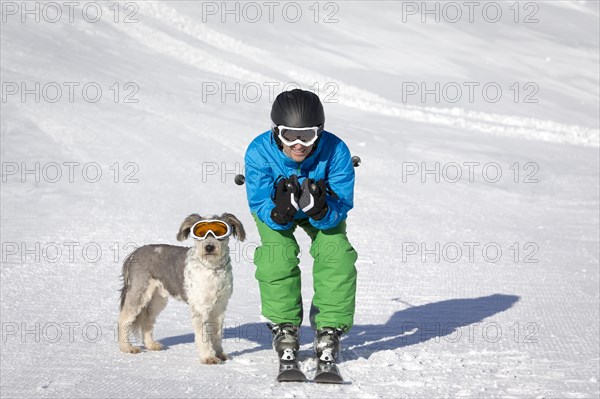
x=334 y=275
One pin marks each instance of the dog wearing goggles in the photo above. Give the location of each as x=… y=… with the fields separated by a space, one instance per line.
x=201 y=276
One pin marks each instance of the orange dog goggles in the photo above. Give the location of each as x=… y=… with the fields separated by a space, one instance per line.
x=218 y=228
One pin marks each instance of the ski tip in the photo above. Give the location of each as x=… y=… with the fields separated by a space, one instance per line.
x=291 y=376
x=329 y=378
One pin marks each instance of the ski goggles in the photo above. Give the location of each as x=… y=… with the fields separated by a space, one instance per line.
x=218 y=228
x=305 y=136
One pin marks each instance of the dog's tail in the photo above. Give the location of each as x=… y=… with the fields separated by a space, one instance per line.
x=125 y=277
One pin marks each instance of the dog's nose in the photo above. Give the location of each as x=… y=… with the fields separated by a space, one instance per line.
x=209 y=248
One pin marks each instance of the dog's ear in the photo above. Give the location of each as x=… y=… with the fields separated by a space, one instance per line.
x=236 y=225
x=186 y=226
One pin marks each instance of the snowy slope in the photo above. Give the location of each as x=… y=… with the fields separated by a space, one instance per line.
x=523 y=322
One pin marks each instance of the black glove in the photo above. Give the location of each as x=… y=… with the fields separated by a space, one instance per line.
x=286 y=198
x=312 y=200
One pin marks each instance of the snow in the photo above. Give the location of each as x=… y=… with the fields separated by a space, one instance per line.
x=473 y=322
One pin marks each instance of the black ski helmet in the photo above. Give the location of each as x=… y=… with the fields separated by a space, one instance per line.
x=297 y=108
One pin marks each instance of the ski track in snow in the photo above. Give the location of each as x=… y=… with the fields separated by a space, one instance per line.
x=423 y=328
x=352 y=96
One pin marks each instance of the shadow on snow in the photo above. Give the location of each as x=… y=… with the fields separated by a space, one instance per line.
x=405 y=327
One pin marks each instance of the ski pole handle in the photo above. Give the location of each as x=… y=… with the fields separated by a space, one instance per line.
x=239 y=180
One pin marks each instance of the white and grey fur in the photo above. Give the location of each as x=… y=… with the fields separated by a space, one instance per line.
x=201 y=276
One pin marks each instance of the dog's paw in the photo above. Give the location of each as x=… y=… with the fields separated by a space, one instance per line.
x=155 y=346
x=210 y=360
x=222 y=356
x=130 y=349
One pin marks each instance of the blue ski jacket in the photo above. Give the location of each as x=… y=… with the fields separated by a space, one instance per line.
x=331 y=160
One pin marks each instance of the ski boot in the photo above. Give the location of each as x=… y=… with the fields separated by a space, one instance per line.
x=327 y=347
x=286 y=344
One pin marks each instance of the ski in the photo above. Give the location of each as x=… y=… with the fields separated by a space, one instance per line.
x=289 y=370
x=328 y=373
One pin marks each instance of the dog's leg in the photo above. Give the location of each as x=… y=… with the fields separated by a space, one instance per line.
x=218 y=337
x=203 y=330
x=134 y=314
x=153 y=309
x=129 y=310
x=126 y=326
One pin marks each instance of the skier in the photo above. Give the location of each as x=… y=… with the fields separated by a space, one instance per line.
x=298 y=174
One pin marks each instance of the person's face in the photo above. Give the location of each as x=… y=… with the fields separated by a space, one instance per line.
x=297 y=152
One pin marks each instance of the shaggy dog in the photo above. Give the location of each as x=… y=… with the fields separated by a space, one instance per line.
x=201 y=276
